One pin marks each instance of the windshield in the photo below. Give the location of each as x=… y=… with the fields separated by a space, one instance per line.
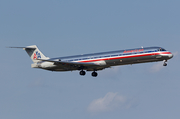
x=161 y=49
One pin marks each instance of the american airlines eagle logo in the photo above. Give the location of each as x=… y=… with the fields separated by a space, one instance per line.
x=37 y=55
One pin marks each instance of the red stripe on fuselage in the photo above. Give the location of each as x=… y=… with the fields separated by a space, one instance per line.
x=130 y=56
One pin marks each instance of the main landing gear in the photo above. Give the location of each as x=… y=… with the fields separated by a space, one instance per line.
x=165 y=63
x=82 y=73
x=94 y=74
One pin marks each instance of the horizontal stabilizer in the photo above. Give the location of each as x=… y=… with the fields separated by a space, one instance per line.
x=23 y=47
x=33 y=52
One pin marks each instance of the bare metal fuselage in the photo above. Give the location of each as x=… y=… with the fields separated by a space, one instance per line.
x=96 y=61
x=113 y=58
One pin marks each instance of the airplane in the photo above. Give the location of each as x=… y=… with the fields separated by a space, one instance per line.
x=96 y=61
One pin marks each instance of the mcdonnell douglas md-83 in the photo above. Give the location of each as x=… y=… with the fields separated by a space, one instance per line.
x=97 y=61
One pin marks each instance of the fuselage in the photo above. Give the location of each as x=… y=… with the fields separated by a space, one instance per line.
x=96 y=61
x=113 y=58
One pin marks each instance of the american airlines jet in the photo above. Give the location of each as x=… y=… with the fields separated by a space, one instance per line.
x=96 y=61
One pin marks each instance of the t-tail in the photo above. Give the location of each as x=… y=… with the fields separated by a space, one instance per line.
x=33 y=52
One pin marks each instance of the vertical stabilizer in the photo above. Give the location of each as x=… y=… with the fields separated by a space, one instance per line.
x=34 y=53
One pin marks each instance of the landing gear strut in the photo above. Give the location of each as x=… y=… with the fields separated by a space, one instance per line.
x=94 y=74
x=165 y=63
x=82 y=73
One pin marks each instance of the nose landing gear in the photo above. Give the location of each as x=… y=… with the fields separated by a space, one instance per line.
x=165 y=63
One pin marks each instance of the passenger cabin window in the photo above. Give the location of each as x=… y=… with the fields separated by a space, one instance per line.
x=114 y=55
x=84 y=58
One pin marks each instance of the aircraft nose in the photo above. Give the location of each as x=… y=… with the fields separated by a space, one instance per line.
x=170 y=55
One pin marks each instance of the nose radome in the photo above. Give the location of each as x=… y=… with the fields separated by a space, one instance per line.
x=170 y=55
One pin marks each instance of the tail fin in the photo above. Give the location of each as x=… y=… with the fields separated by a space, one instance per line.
x=33 y=52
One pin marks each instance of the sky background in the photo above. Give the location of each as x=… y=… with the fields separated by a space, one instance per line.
x=69 y=27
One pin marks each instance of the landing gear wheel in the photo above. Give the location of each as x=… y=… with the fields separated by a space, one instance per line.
x=82 y=73
x=165 y=64
x=94 y=74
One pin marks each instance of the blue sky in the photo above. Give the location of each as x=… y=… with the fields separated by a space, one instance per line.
x=61 y=28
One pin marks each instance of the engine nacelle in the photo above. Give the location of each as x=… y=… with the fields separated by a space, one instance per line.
x=47 y=65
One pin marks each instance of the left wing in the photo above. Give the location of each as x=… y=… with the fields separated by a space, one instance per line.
x=99 y=65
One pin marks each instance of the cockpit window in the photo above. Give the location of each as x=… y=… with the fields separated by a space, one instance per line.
x=161 y=49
